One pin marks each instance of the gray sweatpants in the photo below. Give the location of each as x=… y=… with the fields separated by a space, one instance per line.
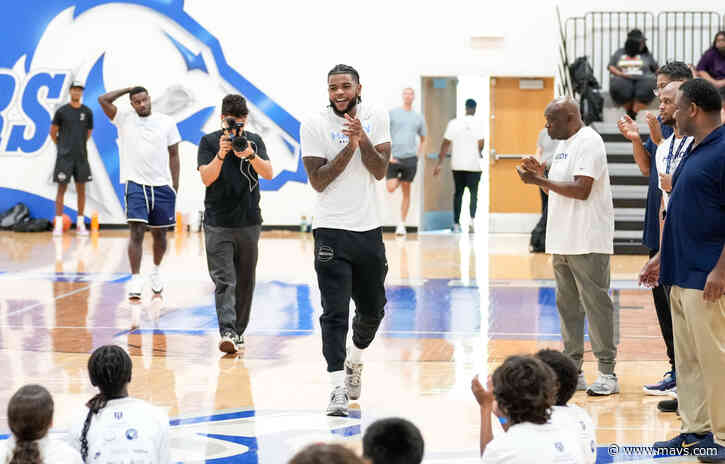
x=231 y=255
x=582 y=286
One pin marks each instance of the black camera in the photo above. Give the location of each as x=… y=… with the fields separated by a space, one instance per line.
x=235 y=132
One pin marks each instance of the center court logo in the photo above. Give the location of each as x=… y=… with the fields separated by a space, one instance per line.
x=109 y=44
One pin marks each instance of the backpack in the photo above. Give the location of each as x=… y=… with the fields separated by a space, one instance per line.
x=591 y=102
x=15 y=215
x=537 y=244
x=33 y=225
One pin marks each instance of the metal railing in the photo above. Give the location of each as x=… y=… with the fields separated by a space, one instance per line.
x=671 y=36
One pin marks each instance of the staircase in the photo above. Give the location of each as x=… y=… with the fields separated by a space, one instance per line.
x=629 y=188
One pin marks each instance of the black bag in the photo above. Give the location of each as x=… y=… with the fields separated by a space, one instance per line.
x=591 y=102
x=15 y=215
x=537 y=244
x=34 y=225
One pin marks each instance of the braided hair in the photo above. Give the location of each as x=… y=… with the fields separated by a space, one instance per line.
x=109 y=368
x=30 y=414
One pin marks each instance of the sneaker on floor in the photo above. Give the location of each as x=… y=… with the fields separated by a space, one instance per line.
x=239 y=342
x=606 y=384
x=81 y=229
x=664 y=387
x=681 y=442
x=456 y=229
x=400 y=230
x=226 y=344
x=471 y=228
x=157 y=285
x=353 y=378
x=58 y=229
x=135 y=288
x=667 y=405
x=338 y=403
x=712 y=452
x=581 y=382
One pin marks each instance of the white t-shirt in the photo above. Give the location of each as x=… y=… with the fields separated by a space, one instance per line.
x=464 y=134
x=527 y=443
x=679 y=148
x=51 y=451
x=576 y=421
x=143 y=147
x=577 y=227
x=350 y=201
x=127 y=430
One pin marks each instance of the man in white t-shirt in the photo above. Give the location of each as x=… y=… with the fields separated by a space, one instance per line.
x=580 y=235
x=149 y=153
x=466 y=136
x=346 y=149
x=570 y=416
x=522 y=390
x=671 y=151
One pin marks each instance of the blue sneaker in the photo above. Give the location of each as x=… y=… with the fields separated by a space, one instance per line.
x=681 y=442
x=665 y=387
x=710 y=451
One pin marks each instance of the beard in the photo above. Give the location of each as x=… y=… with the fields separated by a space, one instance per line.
x=350 y=107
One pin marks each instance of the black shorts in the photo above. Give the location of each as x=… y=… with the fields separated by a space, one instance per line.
x=404 y=169
x=623 y=90
x=72 y=165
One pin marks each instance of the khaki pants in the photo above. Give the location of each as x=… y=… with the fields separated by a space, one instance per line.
x=582 y=286
x=699 y=329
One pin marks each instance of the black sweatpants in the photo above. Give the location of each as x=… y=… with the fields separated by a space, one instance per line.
x=461 y=180
x=231 y=255
x=661 y=297
x=349 y=265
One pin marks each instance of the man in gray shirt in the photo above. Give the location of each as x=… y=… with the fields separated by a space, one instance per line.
x=405 y=126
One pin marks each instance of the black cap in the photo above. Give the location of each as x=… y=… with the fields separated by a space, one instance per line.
x=77 y=84
x=470 y=103
x=636 y=34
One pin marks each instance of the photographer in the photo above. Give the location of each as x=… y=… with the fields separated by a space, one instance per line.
x=230 y=162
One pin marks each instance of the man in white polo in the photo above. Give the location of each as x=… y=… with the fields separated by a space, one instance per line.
x=580 y=236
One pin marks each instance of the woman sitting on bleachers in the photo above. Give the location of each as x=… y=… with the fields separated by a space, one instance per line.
x=712 y=64
x=632 y=74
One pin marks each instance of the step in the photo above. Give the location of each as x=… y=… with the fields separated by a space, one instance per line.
x=630 y=181
x=628 y=234
x=638 y=203
x=629 y=214
x=626 y=169
x=629 y=191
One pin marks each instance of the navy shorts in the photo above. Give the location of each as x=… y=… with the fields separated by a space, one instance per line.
x=155 y=206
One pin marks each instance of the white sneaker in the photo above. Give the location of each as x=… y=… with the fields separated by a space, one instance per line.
x=226 y=344
x=157 y=284
x=135 y=288
x=471 y=228
x=581 y=382
x=81 y=229
x=400 y=230
x=456 y=228
x=338 y=403
x=606 y=384
x=353 y=378
x=58 y=229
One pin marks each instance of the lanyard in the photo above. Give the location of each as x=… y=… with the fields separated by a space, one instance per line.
x=677 y=153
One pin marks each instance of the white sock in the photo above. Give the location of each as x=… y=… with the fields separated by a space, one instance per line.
x=354 y=354
x=81 y=222
x=156 y=269
x=59 y=222
x=337 y=379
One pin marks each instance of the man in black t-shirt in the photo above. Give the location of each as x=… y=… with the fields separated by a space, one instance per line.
x=70 y=130
x=232 y=218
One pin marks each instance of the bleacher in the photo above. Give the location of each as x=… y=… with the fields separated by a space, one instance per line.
x=671 y=36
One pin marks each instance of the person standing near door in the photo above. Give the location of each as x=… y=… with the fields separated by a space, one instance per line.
x=406 y=126
x=465 y=134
